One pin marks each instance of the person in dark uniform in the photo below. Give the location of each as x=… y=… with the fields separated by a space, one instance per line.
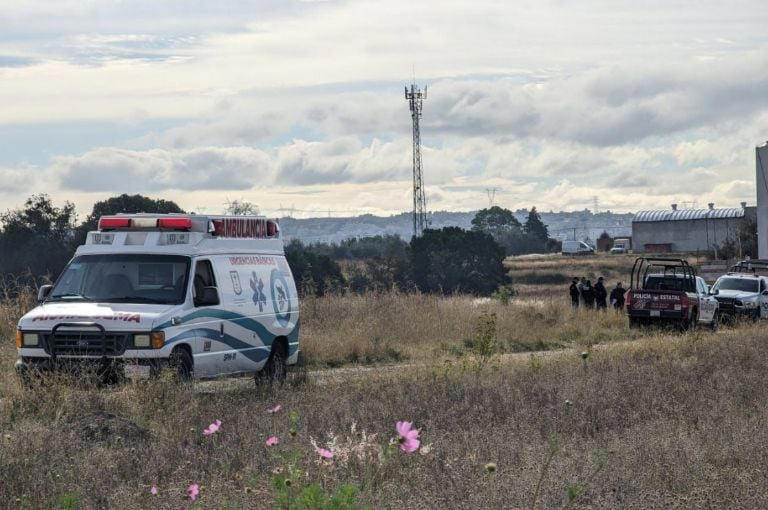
x=588 y=295
x=600 y=294
x=617 y=297
x=574 y=290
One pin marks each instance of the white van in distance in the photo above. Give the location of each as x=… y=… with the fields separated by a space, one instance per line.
x=576 y=248
x=205 y=295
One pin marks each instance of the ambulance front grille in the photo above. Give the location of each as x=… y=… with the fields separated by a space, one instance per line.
x=86 y=343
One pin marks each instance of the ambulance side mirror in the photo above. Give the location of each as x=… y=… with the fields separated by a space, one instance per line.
x=42 y=292
x=210 y=297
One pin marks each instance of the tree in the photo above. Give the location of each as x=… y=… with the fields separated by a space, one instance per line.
x=127 y=204
x=495 y=221
x=503 y=226
x=37 y=239
x=535 y=228
x=314 y=273
x=241 y=208
x=456 y=260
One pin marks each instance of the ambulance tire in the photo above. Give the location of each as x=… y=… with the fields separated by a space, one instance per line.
x=274 y=370
x=181 y=363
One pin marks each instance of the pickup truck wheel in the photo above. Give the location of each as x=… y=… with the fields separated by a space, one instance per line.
x=634 y=323
x=715 y=321
x=181 y=363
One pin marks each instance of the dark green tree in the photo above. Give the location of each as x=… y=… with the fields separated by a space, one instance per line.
x=495 y=221
x=314 y=273
x=124 y=203
x=456 y=260
x=535 y=228
x=36 y=240
x=503 y=226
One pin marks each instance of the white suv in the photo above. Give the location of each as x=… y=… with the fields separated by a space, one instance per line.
x=742 y=294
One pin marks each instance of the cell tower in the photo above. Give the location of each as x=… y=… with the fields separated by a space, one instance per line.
x=415 y=98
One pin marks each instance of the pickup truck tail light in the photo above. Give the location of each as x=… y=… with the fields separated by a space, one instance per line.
x=628 y=298
x=684 y=301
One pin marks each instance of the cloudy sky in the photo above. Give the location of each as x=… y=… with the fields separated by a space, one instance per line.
x=289 y=103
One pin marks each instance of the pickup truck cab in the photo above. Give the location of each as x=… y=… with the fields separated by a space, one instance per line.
x=667 y=291
x=742 y=292
x=204 y=295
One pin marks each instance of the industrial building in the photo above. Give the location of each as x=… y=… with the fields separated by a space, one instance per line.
x=688 y=230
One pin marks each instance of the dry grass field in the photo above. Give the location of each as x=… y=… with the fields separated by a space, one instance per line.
x=644 y=420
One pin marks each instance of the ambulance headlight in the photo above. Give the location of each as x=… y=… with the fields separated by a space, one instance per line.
x=141 y=340
x=30 y=339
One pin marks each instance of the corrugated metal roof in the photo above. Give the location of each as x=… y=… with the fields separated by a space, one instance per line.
x=688 y=214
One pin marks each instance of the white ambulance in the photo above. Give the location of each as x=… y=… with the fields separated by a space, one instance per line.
x=205 y=295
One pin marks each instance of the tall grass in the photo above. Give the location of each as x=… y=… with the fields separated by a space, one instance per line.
x=418 y=327
x=675 y=420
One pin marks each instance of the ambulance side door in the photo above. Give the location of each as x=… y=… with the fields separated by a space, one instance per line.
x=209 y=341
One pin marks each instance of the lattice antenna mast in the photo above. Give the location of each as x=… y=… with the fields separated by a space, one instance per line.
x=415 y=98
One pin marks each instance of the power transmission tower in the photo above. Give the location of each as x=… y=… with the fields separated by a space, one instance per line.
x=491 y=195
x=415 y=98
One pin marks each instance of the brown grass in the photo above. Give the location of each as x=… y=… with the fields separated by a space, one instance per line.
x=676 y=420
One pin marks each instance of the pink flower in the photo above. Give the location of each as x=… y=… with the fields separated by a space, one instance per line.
x=274 y=409
x=213 y=427
x=153 y=490
x=272 y=441
x=192 y=491
x=409 y=437
x=326 y=454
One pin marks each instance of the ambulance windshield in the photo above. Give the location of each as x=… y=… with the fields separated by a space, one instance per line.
x=123 y=278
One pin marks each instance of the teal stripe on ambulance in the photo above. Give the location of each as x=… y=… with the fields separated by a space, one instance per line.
x=255 y=353
x=248 y=323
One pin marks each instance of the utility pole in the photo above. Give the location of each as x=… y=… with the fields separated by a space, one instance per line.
x=415 y=98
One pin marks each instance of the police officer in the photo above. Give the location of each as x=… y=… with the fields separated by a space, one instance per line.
x=574 y=290
x=600 y=294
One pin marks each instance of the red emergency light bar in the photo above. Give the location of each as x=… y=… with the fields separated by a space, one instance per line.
x=175 y=223
x=108 y=223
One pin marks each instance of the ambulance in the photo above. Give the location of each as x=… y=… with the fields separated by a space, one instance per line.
x=206 y=296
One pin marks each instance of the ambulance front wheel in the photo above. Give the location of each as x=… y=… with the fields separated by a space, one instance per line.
x=181 y=363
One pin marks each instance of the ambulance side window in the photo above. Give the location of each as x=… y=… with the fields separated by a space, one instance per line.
x=762 y=285
x=203 y=278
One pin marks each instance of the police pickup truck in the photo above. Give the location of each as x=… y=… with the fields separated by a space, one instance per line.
x=742 y=292
x=667 y=291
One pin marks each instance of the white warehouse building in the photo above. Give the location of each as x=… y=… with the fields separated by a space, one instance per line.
x=689 y=230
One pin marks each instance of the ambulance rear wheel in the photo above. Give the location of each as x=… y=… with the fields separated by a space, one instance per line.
x=181 y=363
x=275 y=369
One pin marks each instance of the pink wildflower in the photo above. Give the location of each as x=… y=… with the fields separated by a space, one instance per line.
x=326 y=454
x=274 y=409
x=213 y=427
x=192 y=491
x=409 y=437
x=272 y=441
x=153 y=490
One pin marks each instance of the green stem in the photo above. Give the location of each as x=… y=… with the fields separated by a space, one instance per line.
x=544 y=470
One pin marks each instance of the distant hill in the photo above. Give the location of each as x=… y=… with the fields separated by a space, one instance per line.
x=562 y=225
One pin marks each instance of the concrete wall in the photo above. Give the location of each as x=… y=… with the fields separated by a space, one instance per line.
x=761 y=164
x=686 y=236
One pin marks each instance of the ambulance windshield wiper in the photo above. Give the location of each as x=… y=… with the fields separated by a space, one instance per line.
x=61 y=297
x=137 y=299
